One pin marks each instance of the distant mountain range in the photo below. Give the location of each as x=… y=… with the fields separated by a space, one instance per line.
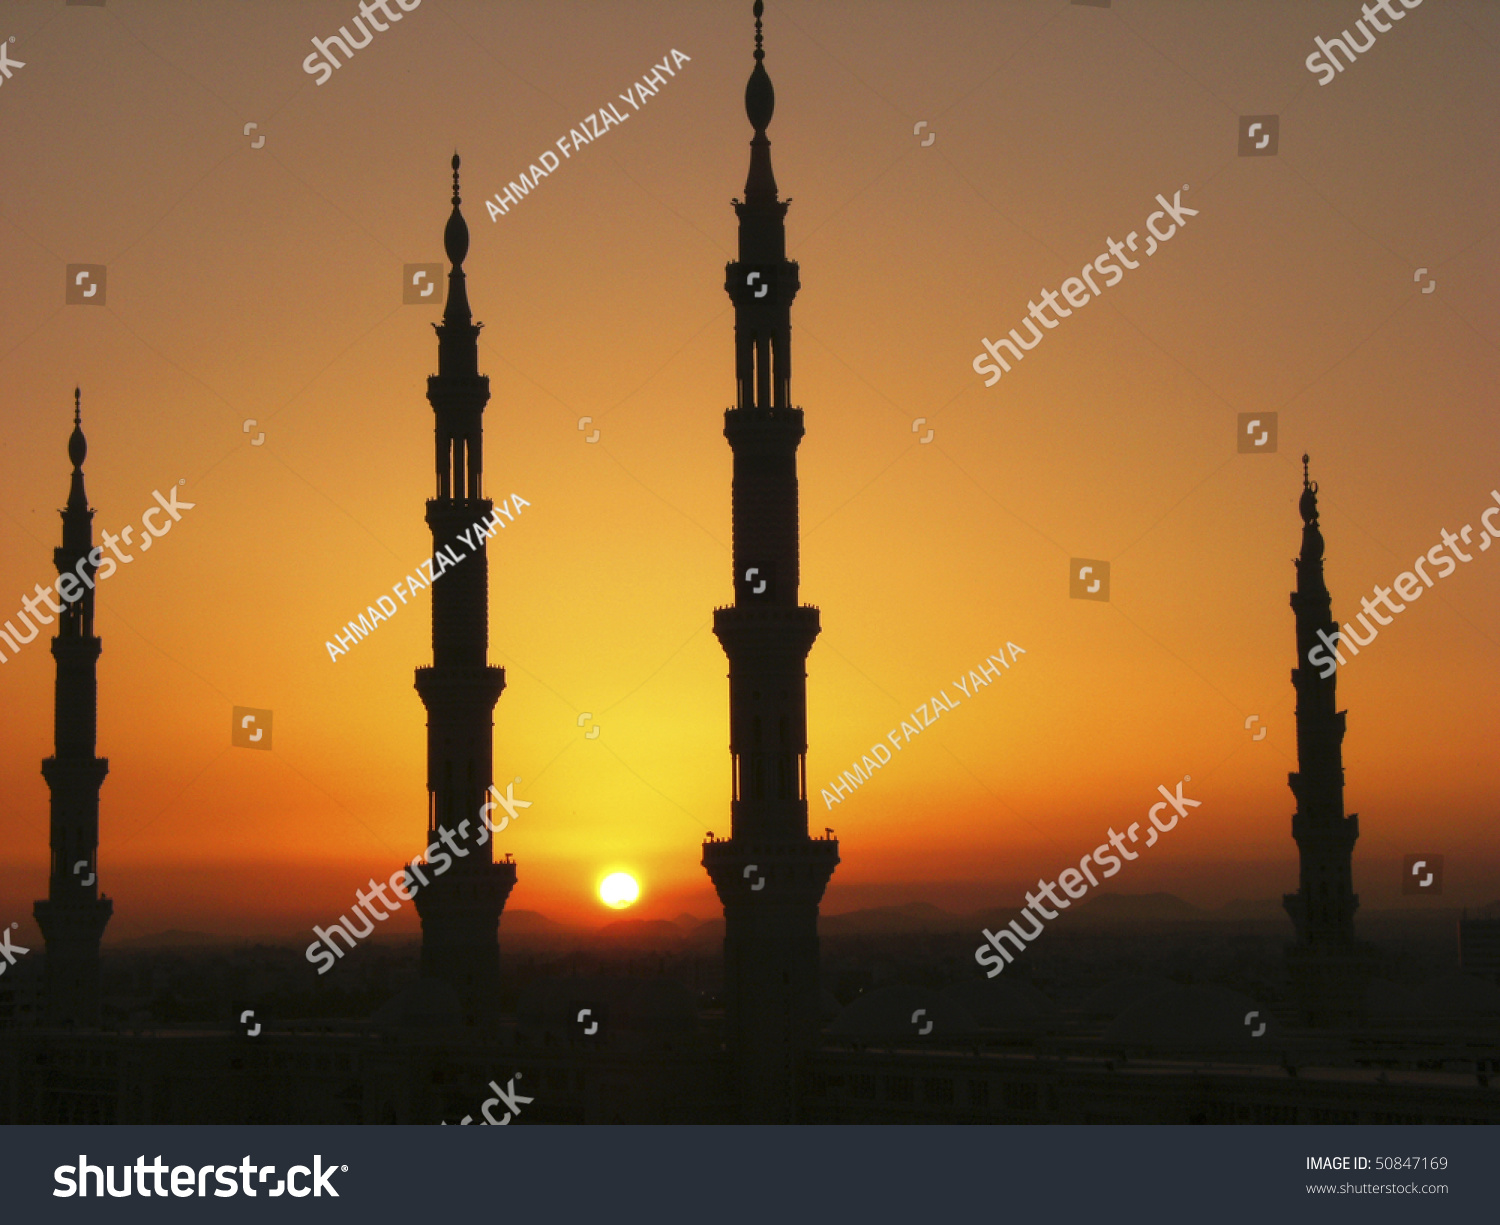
x=688 y=932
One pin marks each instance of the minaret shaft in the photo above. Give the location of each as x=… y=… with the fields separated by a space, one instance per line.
x=75 y=913
x=769 y=874
x=1323 y=907
x=461 y=909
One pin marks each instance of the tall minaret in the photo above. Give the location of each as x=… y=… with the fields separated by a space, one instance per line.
x=1325 y=962
x=769 y=874
x=460 y=910
x=75 y=913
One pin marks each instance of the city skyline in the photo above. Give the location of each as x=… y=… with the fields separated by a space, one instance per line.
x=1115 y=441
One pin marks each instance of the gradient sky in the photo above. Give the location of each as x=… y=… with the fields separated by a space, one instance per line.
x=265 y=283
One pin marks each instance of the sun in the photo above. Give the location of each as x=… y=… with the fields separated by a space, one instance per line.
x=619 y=890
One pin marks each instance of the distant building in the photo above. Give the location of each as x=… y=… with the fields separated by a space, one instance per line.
x=1479 y=947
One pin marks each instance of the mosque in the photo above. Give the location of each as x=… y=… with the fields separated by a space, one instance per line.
x=991 y=1051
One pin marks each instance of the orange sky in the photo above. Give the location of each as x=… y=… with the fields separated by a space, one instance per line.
x=264 y=283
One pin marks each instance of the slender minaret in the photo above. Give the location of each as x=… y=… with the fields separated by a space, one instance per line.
x=769 y=874
x=1325 y=963
x=461 y=909
x=75 y=913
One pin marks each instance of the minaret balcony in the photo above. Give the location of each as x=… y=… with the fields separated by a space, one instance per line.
x=768 y=427
x=767 y=629
x=771 y=870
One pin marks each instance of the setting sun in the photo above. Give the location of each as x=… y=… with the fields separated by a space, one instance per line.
x=619 y=890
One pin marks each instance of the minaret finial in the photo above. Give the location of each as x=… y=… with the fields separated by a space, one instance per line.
x=78 y=448
x=1308 y=506
x=456 y=235
x=760 y=98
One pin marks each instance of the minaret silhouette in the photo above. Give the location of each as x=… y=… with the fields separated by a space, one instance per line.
x=769 y=874
x=75 y=913
x=461 y=909
x=1326 y=965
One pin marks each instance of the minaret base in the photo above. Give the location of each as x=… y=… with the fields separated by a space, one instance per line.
x=70 y=977
x=772 y=981
x=1329 y=983
x=460 y=913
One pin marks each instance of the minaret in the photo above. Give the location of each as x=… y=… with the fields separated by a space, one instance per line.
x=75 y=913
x=769 y=874
x=460 y=910
x=1325 y=964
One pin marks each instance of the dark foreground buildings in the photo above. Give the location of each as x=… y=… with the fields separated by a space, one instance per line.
x=779 y=1048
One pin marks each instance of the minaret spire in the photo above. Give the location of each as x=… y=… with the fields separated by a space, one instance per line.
x=456 y=244
x=769 y=874
x=78 y=449
x=760 y=105
x=74 y=915
x=461 y=910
